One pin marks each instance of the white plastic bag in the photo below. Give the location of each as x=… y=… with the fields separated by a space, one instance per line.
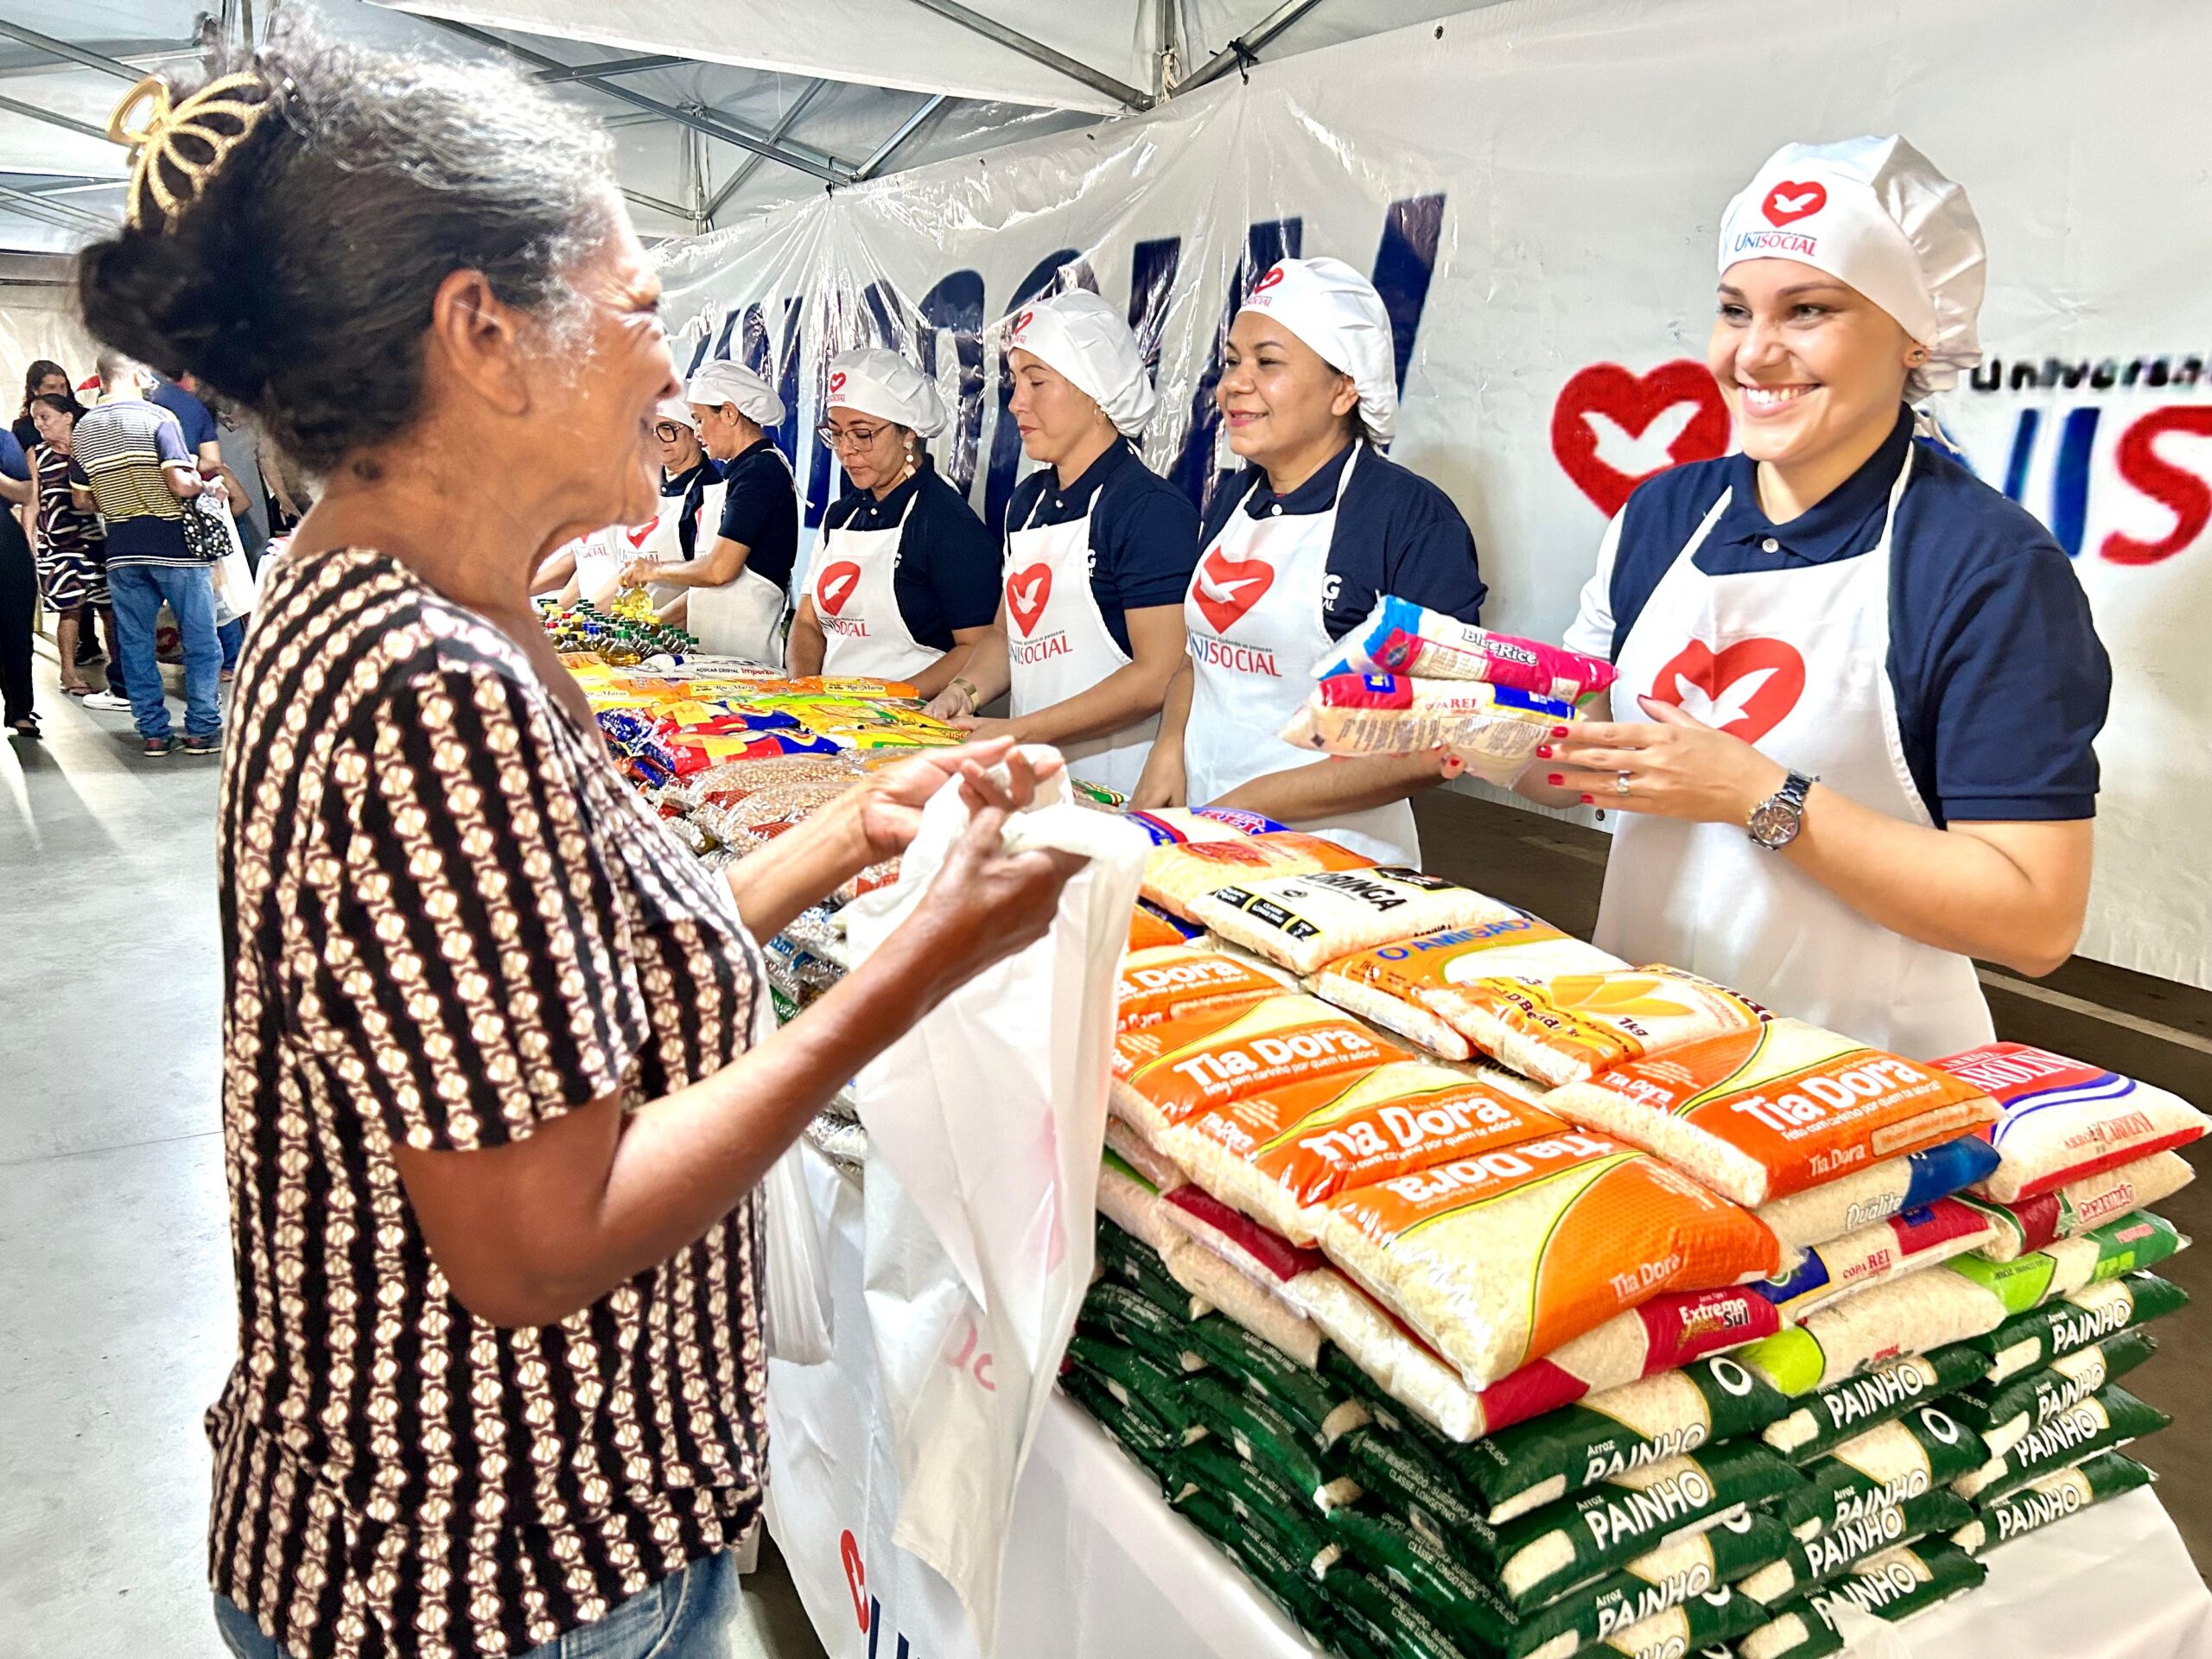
x=984 y=1124
x=795 y=1269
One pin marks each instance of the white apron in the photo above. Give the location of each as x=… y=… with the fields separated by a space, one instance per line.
x=744 y=617
x=858 y=607
x=660 y=539
x=1797 y=663
x=1257 y=633
x=1058 y=645
x=599 y=559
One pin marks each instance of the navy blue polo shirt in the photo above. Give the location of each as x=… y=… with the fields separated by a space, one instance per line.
x=948 y=573
x=1396 y=533
x=191 y=414
x=1144 y=531
x=2000 y=680
x=687 y=487
x=760 y=510
x=13 y=462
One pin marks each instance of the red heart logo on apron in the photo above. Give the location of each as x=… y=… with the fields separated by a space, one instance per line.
x=837 y=586
x=1027 y=593
x=1225 y=589
x=1746 y=689
x=1636 y=413
x=1791 y=200
x=638 y=535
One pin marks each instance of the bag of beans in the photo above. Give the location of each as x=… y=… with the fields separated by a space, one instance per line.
x=2062 y=1120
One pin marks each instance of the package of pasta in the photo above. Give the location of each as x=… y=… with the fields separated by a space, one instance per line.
x=1870 y=1327
x=2064 y=1120
x=1400 y=637
x=1761 y=1113
x=1830 y=1553
x=1621 y=1608
x=2128 y=1245
x=1876 y=1192
x=2029 y=1341
x=1499 y=1259
x=1825 y=1418
x=1302 y=921
x=1892 y=1586
x=1924 y=1451
x=1279 y=1155
x=1180 y=871
x=1176 y=981
x=1494 y=728
x=1166 y=1074
x=1418 y=987
x=1888 y=1249
x=2066 y=1212
x=2050 y=1497
x=2004 y=1413
x=1514 y=1470
x=2104 y=1422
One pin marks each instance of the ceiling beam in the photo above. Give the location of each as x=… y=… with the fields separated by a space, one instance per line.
x=67 y=124
x=611 y=66
x=61 y=49
x=1246 y=47
x=61 y=214
x=1037 y=52
x=39 y=61
x=889 y=147
x=776 y=136
x=656 y=204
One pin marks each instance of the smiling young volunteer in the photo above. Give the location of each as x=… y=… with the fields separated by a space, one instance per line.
x=1297 y=549
x=1098 y=552
x=1872 y=681
x=905 y=570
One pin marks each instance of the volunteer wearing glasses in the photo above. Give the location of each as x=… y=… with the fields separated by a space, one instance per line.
x=1864 y=683
x=905 y=569
x=1297 y=549
x=620 y=557
x=1098 y=552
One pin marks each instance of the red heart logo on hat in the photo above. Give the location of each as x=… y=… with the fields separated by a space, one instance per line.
x=1020 y=323
x=1746 y=689
x=837 y=586
x=1225 y=589
x=1274 y=276
x=1611 y=429
x=638 y=535
x=1790 y=200
x=837 y=382
x=1027 y=593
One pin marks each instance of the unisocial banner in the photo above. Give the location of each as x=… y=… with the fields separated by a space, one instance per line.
x=1535 y=188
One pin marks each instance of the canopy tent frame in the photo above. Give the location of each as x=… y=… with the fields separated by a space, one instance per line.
x=1037 y=52
x=1245 y=47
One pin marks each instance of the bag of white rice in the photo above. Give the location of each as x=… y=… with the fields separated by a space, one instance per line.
x=1177 y=981
x=1175 y=874
x=1131 y=1202
x=2029 y=1341
x=1703 y=1624
x=1912 y=1315
x=2106 y=1421
x=1876 y=1192
x=1209 y=1468
x=1251 y=1304
x=1499 y=1259
x=2050 y=1497
x=1261 y=1434
x=1827 y=1417
x=2064 y=1120
x=1400 y=637
x=1828 y=1554
x=1167 y=1073
x=2064 y=1211
x=1760 y=1113
x=1892 y=1586
x=1924 y=1451
x=2003 y=1413
x=1888 y=1249
x=1615 y=1608
x=1323 y=1408
x=1170 y=826
x=2141 y=1239
x=1159 y=1171
x=1434 y=1577
x=1302 y=921
x=1494 y=728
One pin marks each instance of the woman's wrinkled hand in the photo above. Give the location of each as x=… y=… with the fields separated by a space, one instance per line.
x=987 y=904
x=888 y=809
x=1676 y=767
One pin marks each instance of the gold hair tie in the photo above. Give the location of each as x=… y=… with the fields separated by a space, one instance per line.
x=167 y=138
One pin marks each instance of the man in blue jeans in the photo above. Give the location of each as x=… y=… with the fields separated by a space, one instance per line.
x=131 y=464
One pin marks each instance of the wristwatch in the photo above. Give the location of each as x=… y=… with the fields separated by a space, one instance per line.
x=1775 y=821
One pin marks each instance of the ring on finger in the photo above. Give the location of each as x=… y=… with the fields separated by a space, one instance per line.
x=1620 y=783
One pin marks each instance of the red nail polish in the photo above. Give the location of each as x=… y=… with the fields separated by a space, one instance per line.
x=1559 y=731
x=1543 y=751
x=1589 y=800
x=1556 y=778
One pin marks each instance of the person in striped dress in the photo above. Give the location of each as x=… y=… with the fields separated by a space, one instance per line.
x=72 y=552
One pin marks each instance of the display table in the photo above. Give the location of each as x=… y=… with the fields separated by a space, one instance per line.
x=1099 y=1567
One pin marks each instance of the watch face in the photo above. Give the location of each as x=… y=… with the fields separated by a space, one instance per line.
x=1774 y=824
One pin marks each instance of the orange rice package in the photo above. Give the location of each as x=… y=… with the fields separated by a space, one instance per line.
x=1149 y=930
x=1175 y=874
x=1176 y=981
x=1166 y=1073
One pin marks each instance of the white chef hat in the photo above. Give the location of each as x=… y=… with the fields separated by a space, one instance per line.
x=1873 y=213
x=720 y=381
x=885 y=385
x=675 y=409
x=1084 y=338
x=1337 y=311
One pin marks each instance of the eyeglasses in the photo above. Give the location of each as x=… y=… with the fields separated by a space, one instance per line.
x=850 y=437
x=668 y=431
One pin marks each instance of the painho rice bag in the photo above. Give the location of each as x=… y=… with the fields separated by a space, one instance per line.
x=1209 y=1468
x=1903 y=1245
x=1177 y=874
x=1400 y=637
x=2029 y=1341
x=1835 y=1550
x=2062 y=1120
x=1912 y=1315
x=1703 y=1624
x=1494 y=728
x=2104 y=1422
x=1382 y=1620
x=1498 y=1259
x=1176 y=981
x=1261 y=1434
x=2076 y=1208
x=1892 y=1586
x=1419 y=988
x=1139 y=1438
x=2141 y=1239
x=1876 y=1192
x=1323 y=1408
x=2050 y=1497
x=2002 y=1412
x=1760 y=1113
x=1922 y=1451
x=1827 y=1417
x=1302 y=921
x=1429 y=1573
x=1616 y=1609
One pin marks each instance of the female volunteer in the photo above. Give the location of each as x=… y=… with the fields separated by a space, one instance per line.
x=1098 y=552
x=734 y=594
x=905 y=571
x=1298 y=547
x=596 y=567
x=1873 y=680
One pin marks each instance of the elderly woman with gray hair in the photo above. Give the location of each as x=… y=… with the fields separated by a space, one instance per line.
x=496 y=1094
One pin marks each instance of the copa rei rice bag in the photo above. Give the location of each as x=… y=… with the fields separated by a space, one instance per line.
x=1771 y=1110
x=1173 y=982
x=1630 y=1514
x=1924 y=1451
x=1400 y=637
x=1138 y=1382
x=1168 y=1073
x=2062 y=1120
x=1500 y=1258
x=1302 y=921
x=1494 y=728
x=1836 y=1550
x=1391 y=1622
x=2029 y=1341
x=1615 y=1607
x=2050 y=1497
x=1177 y=874
x=1261 y=1434
x=1892 y=1586
x=1826 y=1418
x=2002 y=1412
x=1416 y=986
x=1459 y=1599
x=2134 y=1242
x=1210 y=1470
x=1322 y=1409
x=1888 y=1249
x=1876 y=1192
x=2078 y=1206
x=2106 y=1421
x=1140 y=1437
x=1524 y=1467
x=1279 y=1155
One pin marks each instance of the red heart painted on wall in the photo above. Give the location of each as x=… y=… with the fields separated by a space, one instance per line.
x=1612 y=428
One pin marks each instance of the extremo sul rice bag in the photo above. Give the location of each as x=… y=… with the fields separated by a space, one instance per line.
x=1177 y=981
x=1495 y=729
x=1759 y=1113
x=2002 y=1412
x=1831 y=1553
x=2064 y=1211
x=1168 y=1073
x=1825 y=1418
x=2052 y=1498
x=1876 y=1192
x=1912 y=1315
x=1177 y=874
x=1400 y=637
x=2029 y=1341
x=1611 y=1608
x=1892 y=1586
x=2064 y=1120
x=1924 y=1451
x=2106 y=1421
x=1302 y=921
x=1499 y=1259
x=2133 y=1241
x=1888 y=1249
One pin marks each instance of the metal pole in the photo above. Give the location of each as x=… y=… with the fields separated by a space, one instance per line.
x=656 y=204
x=776 y=136
x=1037 y=52
x=885 y=150
x=1248 y=44
x=611 y=66
x=1169 y=73
x=61 y=214
x=85 y=55
x=16 y=106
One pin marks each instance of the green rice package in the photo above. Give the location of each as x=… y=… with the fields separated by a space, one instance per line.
x=1127 y=1317
x=1717 y=1616
x=1277 y=1574
x=1825 y=1418
x=1136 y=1382
x=1263 y=1435
x=1922 y=1451
x=1671 y=1575
x=1529 y=1464
x=1564 y=1544
x=1390 y=1621
x=2001 y=1413
x=1209 y=1470
x=1459 y=1598
x=1916 y=1315
x=2108 y=1419
x=1810 y=1562
x=1403 y=1477
x=1316 y=1404
x=2052 y=1497
x=2128 y=1245
x=2031 y=1341
x=1892 y=1586
x=1140 y=1437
